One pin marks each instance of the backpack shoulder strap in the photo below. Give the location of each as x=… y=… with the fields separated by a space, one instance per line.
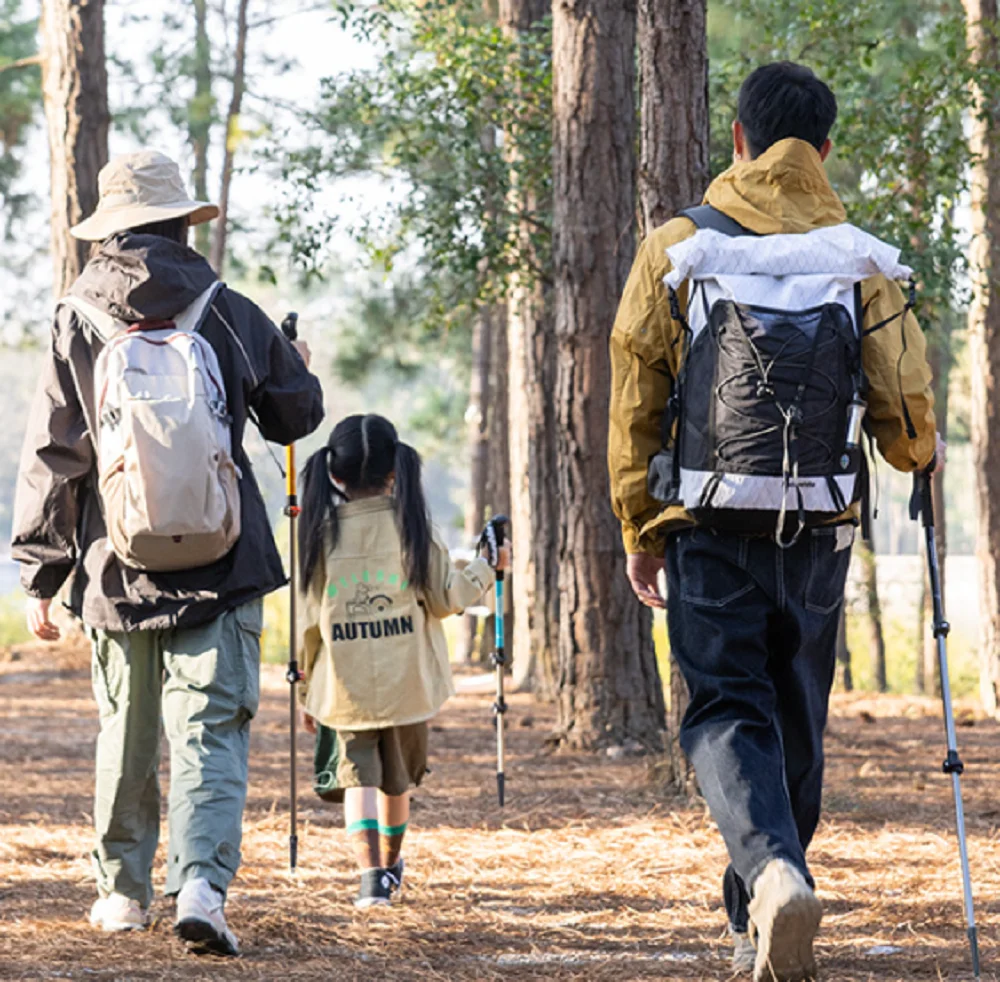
x=706 y=216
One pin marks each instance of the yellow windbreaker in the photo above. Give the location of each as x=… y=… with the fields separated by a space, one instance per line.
x=784 y=190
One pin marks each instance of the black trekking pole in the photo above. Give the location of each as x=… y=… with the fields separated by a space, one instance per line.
x=492 y=540
x=923 y=502
x=289 y=327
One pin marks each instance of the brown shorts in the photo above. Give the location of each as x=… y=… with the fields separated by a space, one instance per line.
x=392 y=760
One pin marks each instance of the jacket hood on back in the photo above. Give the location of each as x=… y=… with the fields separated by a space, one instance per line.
x=784 y=190
x=143 y=277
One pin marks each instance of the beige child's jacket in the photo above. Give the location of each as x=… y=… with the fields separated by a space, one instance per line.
x=372 y=648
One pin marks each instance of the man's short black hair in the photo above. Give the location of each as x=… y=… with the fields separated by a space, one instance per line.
x=784 y=100
x=175 y=229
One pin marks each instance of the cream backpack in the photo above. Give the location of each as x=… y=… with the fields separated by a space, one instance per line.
x=166 y=476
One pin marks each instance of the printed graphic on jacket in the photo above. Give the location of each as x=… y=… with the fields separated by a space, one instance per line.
x=369 y=600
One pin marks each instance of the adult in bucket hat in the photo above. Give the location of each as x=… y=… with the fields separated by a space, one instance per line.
x=181 y=643
x=139 y=189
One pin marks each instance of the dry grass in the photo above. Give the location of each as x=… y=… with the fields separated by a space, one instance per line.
x=589 y=873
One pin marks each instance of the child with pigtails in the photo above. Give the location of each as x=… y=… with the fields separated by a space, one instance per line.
x=377 y=583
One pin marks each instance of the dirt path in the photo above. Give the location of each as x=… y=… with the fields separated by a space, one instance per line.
x=589 y=873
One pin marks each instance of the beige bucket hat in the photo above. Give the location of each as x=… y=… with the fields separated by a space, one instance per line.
x=139 y=188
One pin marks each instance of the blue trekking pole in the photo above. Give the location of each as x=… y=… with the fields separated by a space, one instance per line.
x=922 y=504
x=492 y=540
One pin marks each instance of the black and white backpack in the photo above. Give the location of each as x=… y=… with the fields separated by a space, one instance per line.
x=769 y=399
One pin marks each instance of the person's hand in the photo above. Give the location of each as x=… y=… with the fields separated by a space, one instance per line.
x=38 y=620
x=643 y=571
x=506 y=557
x=303 y=349
x=940 y=454
x=308 y=723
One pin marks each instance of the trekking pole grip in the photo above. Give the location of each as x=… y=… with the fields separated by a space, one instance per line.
x=290 y=326
x=922 y=499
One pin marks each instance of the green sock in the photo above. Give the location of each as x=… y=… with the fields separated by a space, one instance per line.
x=365 y=841
x=391 y=843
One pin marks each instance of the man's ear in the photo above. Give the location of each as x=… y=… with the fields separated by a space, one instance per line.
x=824 y=151
x=739 y=142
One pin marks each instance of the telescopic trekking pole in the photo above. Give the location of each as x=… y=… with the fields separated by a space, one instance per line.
x=290 y=328
x=493 y=539
x=923 y=502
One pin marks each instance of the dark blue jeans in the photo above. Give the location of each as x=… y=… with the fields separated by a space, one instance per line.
x=754 y=631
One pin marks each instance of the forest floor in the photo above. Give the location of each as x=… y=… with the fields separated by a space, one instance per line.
x=590 y=872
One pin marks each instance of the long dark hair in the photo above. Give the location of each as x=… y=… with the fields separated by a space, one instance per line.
x=361 y=454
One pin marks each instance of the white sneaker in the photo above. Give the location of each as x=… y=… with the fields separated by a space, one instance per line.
x=744 y=953
x=784 y=917
x=201 y=922
x=119 y=913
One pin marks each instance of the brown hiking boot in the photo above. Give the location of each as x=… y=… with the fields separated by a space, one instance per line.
x=785 y=916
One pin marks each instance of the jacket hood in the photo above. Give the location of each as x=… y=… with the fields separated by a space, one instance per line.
x=143 y=277
x=784 y=190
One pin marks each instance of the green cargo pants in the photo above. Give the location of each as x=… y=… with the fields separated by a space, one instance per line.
x=206 y=682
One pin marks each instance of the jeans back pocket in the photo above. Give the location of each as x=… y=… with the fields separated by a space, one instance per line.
x=829 y=559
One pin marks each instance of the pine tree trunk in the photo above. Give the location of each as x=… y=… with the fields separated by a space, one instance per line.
x=200 y=112
x=610 y=692
x=845 y=676
x=984 y=337
x=75 y=93
x=497 y=460
x=232 y=139
x=876 y=637
x=673 y=89
x=531 y=360
x=673 y=174
x=476 y=449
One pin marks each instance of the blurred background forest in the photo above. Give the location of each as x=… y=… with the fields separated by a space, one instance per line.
x=392 y=171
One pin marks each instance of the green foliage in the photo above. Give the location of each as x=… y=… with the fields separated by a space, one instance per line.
x=431 y=121
x=20 y=100
x=901 y=74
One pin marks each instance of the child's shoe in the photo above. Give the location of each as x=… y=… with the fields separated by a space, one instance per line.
x=396 y=872
x=376 y=889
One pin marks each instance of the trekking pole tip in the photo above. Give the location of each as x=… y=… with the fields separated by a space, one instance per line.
x=500 y=787
x=974 y=949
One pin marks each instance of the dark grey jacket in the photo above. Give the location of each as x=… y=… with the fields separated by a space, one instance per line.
x=59 y=529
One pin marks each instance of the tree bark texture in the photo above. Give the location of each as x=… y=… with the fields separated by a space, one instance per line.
x=531 y=430
x=75 y=93
x=201 y=109
x=476 y=449
x=845 y=676
x=232 y=139
x=610 y=692
x=673 y=174
x=497 y=461
x=673 y=86
x=984 y=336
x=876 y=636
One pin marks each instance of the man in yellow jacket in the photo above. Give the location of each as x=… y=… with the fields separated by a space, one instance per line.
x=753 y=621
